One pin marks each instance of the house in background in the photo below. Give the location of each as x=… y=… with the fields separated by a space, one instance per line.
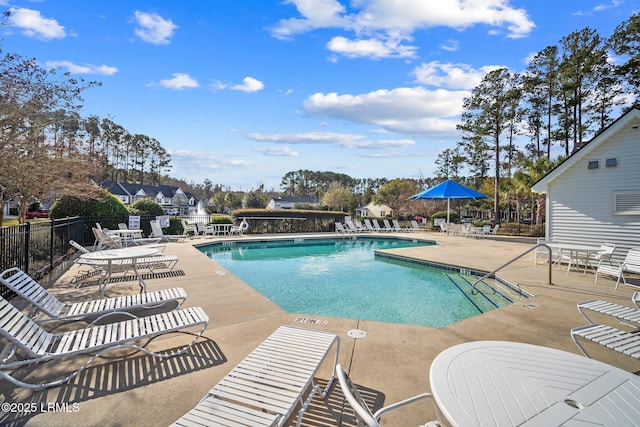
x=594 y=195
x=291 y=202
x=373 y=210
x=173 y=199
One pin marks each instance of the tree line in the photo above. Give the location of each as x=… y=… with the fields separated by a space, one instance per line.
x=47 y=148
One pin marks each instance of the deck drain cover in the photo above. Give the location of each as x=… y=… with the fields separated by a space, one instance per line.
x=357 y=333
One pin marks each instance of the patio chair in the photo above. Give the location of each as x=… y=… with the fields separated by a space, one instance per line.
x=362 y=410
x=620 y=312
x=239 y=229
x=156 y=231
x=188 y=228
x=604 y=255
x=340 y=228
x=265 y=387
x=376 y=225
x=35 y=345
x=351 y=226
x=627 y=343
x=203 y=230
x=105 y=240
x=32 y=292
x=367 y=223
x=397 y=226
x=543 y=252
x=387 y=225
x=414 y=226
x=631 y=264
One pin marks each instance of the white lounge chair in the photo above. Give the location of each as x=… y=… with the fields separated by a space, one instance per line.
x=340 y=228
x=631 y=264
x=387 y=225
x=620 y=312
x=604 y=255
x=35 y=345
x=624 y=342
x=362 y=410
x=351 y=227
x=265 y=388
x=397 y=227
x=156 y=231
x=414 y=226
x=367 y=223
x=376 y=225
x=30 y=290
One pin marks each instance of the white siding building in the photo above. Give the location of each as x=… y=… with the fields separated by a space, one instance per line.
x=594 y=195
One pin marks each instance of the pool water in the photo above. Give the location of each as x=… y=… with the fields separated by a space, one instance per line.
x=343 y=278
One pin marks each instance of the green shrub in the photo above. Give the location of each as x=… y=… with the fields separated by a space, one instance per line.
x=107 y=206
x=144 y=207
x=221 y=219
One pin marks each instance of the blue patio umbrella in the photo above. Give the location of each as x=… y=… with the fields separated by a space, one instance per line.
x=449 y=190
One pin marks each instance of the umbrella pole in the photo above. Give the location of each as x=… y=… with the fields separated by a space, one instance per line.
x=448 y=202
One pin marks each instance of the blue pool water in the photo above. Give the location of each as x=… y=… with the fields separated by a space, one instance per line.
x=343 y=278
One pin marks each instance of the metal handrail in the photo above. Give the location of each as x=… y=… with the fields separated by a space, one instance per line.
x=473 y=286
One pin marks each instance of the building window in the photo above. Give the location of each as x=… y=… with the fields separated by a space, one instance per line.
x=627 y=203
x=593 y=164
x=611 y=162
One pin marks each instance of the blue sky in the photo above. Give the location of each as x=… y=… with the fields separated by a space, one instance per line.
x=243 y=91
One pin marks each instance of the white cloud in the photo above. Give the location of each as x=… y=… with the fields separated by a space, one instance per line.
x=35 y=25
x=315 y=14
x=185 y=162
x=406 y=110
x=82 y=69
x=450 y=45
x=381 y=26
x=345 y=140
x=372 y=48
x=179 y=81
x=249 y=85
x=453 y=76
x=153 y=28
x=279 y=151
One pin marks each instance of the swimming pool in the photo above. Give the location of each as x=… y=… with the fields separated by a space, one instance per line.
x=345 y=278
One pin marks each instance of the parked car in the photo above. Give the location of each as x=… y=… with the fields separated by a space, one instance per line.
x=171 y=211
x=38 y=213
x=466 y=220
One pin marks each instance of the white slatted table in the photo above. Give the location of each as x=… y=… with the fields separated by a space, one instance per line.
x=110 y=255
x=495 y=383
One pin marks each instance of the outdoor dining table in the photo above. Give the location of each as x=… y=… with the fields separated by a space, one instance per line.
x=126 y=235
x=222 y=228
x=498 y=383
x=128 y=257
x=576 y=251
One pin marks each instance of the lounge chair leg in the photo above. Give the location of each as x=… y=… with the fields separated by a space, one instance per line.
x=306 y=403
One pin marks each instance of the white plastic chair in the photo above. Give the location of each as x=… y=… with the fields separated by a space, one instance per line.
x=363 y=412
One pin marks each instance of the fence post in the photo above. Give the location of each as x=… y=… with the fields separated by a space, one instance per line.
x=52 y=251
x=27 y=246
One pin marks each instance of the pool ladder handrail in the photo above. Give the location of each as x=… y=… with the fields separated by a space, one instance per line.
x=493 y=272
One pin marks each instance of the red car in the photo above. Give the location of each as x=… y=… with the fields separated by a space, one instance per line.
x=38 y=213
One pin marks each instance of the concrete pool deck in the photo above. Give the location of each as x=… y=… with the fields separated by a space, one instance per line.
x=391 y=363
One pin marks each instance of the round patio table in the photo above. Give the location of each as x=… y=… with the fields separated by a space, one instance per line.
x=499 y=383
x=124 y=257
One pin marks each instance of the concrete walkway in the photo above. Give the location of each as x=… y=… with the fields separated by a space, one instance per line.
x=391 y=363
